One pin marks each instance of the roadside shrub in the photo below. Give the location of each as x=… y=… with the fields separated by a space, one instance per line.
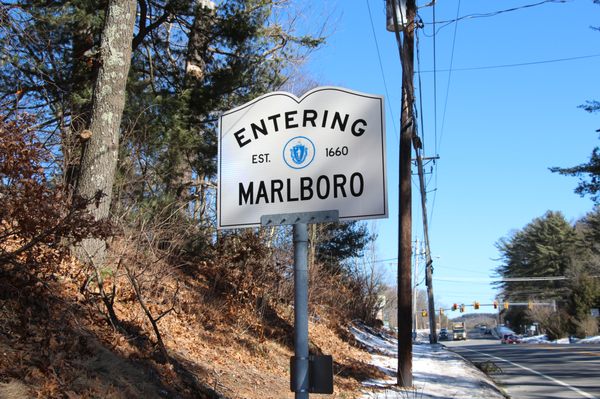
x=36 y=212
x=553 y=324
x=586 y=327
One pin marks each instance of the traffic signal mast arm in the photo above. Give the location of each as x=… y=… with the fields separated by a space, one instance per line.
x=476 y=305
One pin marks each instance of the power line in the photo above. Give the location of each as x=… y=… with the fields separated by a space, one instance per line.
x=581 y=57
x=382 y=72
x=490 y=14
x=449 y=77
x=435 y=129
x=435 y=83
x=514 y=279
x=420 y=113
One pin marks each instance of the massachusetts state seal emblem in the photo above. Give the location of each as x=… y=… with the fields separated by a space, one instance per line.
x=299 y=152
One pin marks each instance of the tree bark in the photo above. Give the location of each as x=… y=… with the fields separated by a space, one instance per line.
x=99 y=159
x=83 y=76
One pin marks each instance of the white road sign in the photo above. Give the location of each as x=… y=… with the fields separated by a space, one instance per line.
x=282 y=154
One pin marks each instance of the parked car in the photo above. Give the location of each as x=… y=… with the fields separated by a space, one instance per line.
x=510 y=339
x=443 y=335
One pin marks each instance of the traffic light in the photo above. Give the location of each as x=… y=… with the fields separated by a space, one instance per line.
x=475 y=305
x=506 y=305
x=495 y=304
x=462 y=308
x=441 y=311
x=454 y=307
x=424 y=313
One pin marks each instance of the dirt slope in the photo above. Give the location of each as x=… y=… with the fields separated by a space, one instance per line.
x=55 y=342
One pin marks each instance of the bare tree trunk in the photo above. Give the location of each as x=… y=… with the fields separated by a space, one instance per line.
x=82 y=78
x=99 y=159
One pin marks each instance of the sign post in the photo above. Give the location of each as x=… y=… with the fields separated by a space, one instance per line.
x=314 y=159
x=306 y=375
x=300 y=377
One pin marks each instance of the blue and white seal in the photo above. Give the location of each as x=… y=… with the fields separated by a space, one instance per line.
x=299 y=152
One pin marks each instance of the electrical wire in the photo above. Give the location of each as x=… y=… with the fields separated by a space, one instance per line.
x=449 y=77
x=519 y=64
x=435 y=130
x=420 y=113
x=382 y=73
x=489 y=14
x=420 y=93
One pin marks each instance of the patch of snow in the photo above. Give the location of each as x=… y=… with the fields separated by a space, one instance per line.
x=437 y=372
x=590 y=340
x=536 y=339
x=375 y=341
x=543 y=339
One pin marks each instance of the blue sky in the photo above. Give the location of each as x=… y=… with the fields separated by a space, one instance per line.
x=497 y=130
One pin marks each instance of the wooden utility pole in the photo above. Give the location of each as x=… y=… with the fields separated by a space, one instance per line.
x=428 y=261
x=404 y=378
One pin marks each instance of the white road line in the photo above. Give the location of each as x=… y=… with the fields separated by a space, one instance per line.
x=564 y=384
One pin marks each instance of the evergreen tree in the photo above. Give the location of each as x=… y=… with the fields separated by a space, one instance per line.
x=543 y=248
x=206 y=60
x=549 y=247
x=191 y=60
x=338 y=242
x=590 y=231
x=48 y=66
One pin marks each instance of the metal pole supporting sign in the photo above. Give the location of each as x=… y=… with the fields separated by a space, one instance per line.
x=309 y=374
x=300 y=377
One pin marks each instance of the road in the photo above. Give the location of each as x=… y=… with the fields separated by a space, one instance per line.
x=538 y=371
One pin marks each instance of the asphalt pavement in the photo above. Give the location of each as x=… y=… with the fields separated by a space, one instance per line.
x=536 y=371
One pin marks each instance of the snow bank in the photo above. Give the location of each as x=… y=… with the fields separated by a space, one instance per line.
x=437 y=372
x=375 y=341
x=543 y=339
x=590 y=340
x=536 y=339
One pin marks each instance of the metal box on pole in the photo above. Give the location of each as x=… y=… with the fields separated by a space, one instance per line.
x=400 y=15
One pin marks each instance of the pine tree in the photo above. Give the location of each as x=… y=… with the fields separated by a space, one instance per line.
x=548 y=247
x=339 y=242
x=543 y=248
x=226 y=55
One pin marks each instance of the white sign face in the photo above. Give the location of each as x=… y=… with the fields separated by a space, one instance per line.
x=282 y=154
